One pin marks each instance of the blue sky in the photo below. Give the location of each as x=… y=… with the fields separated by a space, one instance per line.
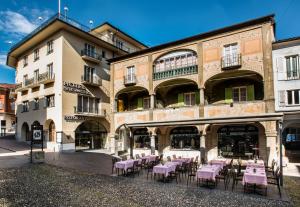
x=152 y=22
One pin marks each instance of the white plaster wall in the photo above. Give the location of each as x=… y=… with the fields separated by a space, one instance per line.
x=279 y=55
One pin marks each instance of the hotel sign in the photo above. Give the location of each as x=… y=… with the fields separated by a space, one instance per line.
x=74 y=118
x=75 y=88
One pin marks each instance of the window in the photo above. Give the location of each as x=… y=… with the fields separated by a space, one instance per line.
x=89 y=50
x=50 y=70
x=230 y=55
x=293 y=97
x=25 y=106
x=119 y=44
x=89 y=74
x=25 y=61
x=185 y=138
x=130 y=76
x=3 y=123
x=25 y=78
x=189 y=99
x=50 y=101
x=103 y=54
x=12 y=106
x=36 y=54
x=146 y=104
x=239 y=94
x=1 y=105
x=36 y=104
x=36 y=75
x=86 y=104
x=292 y=67
x=50 y=47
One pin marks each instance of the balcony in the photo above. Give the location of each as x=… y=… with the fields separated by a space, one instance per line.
x=232 y=61
x=18 y=87
x=28 y=82
x=93 y=112
x=92 y=81
x=46 y=77
x=234 y=109
x=91 y=56
x=188 y=70
x=130 y=80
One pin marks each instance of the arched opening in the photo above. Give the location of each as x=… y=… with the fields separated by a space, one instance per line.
x=90 y=135
x=132 y=99
x=177 y=93
x=234 y=86
x=25 y=135
x=185 y=138
x=291 y=136
x=175 y=63
x=36 y=123
x=238 y=141
x=51 y=132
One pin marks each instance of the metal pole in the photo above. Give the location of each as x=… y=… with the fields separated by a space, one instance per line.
x=58 y=7
x=280 y=153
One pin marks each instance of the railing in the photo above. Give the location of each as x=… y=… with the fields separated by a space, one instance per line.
x=231 y=61
x=130 y=79
x=18 y=86
x=90 y=54
x=46 y=76
x=116 y=43
x=89 y=111
x=95 y=80
x=48 y=21
x=28 y=82
x=175 y=72
x=293 y=75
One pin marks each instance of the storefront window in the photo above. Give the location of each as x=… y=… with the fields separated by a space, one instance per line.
x=141 y=138
x=185 y=138
x=238 y=141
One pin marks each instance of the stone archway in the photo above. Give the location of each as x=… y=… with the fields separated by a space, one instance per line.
x=51 y=132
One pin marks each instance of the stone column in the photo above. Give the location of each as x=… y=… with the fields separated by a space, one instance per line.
x=271 y=147
x=152 y=101
x=202 y=147
x=152 y=143
x=113 y=144
x=201 y=96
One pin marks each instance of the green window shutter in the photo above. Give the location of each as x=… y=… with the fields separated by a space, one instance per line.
x=250 y=93
x=180 y=99
x=140 y=103
x=197 y=94
x=228 y=95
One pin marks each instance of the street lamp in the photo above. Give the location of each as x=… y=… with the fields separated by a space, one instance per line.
x=280 y=151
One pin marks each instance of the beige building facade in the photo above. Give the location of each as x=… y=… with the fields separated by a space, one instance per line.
x=63 y=79
x=209 y=95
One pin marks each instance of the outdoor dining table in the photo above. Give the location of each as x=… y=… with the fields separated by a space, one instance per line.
x=182 y=160
x=124 y=164
x=164 y=169
x=256 y=164
x=255 y=176
x=208 y=172
x=219 y=161
x=149 y=158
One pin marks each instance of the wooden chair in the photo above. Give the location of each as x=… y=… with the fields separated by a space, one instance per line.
x=223 y=175
x=137 y=156
x=150 y=169
x=143 y=154
x=175 y=174
x=114 y=160
x=236 y=176
x=275 y=180
x=174 y=157
x=192 y=170
x=168 y=158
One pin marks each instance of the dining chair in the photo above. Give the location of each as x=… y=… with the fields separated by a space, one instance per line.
x=168 y=158
x=174 y=156
x=275 y=180
x=223 y=175
x=192 y=170
x=143 y=154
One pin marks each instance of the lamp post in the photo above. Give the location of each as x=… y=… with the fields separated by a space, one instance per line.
x=280 y=151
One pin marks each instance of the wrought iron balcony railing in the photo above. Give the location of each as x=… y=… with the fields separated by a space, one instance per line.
x=95 y=80
x=130 y=79
x=188 y=70
x=91 y=54
x=231 y=61
x=89 y=111
x=46 y=77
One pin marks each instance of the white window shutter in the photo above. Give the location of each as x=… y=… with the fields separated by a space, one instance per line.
x=281 y=98
x=281 y=73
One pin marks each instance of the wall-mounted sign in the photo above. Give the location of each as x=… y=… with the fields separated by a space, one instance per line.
x=75 y=118
x=75 y=88
x=37 y=134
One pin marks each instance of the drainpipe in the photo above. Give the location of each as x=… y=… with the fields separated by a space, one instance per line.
x=280 y=151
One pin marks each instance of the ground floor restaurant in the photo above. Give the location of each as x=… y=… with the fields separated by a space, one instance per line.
x=245 y=140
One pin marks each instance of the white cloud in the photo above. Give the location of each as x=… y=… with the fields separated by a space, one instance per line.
x=13 y=22
x=3 y=61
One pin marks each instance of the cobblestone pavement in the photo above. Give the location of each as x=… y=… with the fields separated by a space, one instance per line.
x=44 y=185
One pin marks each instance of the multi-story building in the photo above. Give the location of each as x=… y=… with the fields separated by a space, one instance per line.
x=7 y=110
x=210 y=94
x=287 y=88
x=62 y=80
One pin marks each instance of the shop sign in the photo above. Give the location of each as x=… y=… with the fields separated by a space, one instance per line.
x=75 y=88
x=75 y=118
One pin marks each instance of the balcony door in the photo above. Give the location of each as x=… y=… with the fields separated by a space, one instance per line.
x=230 y=54
x=89 y=50
x=130 y=74
x=89 y=74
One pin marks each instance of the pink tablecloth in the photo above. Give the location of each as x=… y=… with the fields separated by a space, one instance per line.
x=182 y=160
x=164 y=169
x=258 y=164
x=208 y=172
x=149 y=158
x=259 y=177
x=220 y=162
x=124 y=164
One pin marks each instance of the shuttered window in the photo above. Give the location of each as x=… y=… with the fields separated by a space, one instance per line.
x=189 y=99
x=292 y=67
x=180 y=101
